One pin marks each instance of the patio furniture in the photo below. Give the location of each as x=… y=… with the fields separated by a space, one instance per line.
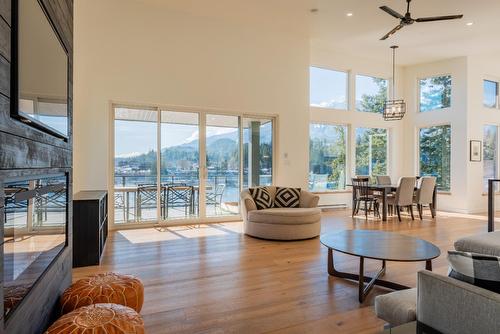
x=299 y=223
x=146 y=198
x=214 y=195
x=424 y=193
x=403 y=196
x=363 y=194
x=179 y=196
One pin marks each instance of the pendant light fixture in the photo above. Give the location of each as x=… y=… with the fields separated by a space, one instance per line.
x=394 y=109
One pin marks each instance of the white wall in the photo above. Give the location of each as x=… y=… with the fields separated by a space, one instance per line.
x=241 y=56
x=333 y=59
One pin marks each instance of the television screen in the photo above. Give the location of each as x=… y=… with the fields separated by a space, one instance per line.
x=40 y=71
x=35 y=227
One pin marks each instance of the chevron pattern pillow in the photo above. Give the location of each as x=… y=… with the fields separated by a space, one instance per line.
x=287 y=197
x=261 y=197
x=477 y=269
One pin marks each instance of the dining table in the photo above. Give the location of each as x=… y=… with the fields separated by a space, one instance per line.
x=386 y=189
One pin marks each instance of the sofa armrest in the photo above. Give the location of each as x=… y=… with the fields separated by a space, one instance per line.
x=455 y=307
x=247 y=202
x=308 y=199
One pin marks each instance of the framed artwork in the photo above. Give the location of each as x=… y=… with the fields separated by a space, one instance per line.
x=475 y=150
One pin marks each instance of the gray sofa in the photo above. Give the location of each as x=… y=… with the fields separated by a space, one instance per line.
x=446 y=304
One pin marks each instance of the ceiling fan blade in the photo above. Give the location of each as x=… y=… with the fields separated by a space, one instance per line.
x=391 y=12
x=439 y=18
x=392 y=32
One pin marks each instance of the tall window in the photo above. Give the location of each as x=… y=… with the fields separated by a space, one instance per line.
x=257 y=152
x=371 y=93
x=435 y=93
x=371 y=151
x=490 y=94
x=327 y=157
x=435 y=154
x=490 y=154
x=328 y=88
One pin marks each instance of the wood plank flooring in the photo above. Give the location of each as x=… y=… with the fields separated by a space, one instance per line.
x=214 y=279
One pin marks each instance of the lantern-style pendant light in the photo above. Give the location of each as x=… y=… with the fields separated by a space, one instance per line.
x=394 y=109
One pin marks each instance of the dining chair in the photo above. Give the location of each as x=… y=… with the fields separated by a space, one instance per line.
x=384 y=180
x=362 y=194
x=403 y=198
x=424 y=194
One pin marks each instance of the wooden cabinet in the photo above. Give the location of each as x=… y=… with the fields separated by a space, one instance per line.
x=90 y=227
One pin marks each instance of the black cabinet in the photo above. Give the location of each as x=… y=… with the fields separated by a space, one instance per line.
x=90 y=227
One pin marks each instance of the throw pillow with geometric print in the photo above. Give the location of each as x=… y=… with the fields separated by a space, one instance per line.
x=261 y=197
x=287 y=197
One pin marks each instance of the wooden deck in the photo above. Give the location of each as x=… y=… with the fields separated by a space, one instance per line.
x=213 y=279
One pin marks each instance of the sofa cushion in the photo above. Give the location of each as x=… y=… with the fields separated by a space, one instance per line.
x=397 y=307
x=478 y=269
x=485 y=243
x=262 y=197
x=285 y=216
x=287 y=197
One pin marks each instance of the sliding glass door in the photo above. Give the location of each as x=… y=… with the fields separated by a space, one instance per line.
x=203 y=162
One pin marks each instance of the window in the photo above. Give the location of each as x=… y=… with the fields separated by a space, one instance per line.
x=328 y=88
x=371 y=94
x=371 y=151
x=435 y=93
x=327 y=157
x=489 y=154
x=490 y=94
x=257 y=152
x=435 y=154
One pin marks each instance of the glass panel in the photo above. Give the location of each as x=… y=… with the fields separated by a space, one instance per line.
x=34 y=232
x=180 y=162
x=490 y=94
x=371 y=94
x=435 y=93
x=435 y=154
x=257 y=152
x=327 y=157
x=223 y=165
x=489 y=155
x=135 y=165
x=328 y=88
x=371 y=151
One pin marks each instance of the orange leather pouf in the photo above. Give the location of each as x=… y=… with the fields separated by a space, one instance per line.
x=104 y=288
x=99 y=319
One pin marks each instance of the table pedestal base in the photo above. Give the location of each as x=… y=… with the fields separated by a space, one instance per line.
x=364 y=289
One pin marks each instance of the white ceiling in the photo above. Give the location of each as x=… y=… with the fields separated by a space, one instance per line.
x=420 y=42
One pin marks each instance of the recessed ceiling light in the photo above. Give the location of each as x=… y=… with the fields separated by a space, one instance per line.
x=349 y=14
x=469 y=23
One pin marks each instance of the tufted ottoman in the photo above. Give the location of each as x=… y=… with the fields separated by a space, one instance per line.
x=104 y=288
x=99 y=319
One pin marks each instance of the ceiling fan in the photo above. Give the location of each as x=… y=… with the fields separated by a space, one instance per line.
x=407 y=19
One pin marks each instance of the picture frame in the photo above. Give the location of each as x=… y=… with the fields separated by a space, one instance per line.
x=476 y=151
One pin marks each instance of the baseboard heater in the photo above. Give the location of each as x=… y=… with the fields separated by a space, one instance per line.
x=331 y=207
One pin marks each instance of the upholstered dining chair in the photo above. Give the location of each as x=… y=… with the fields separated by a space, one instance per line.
x=384 y=180
x=424 y=194
x=403 y=198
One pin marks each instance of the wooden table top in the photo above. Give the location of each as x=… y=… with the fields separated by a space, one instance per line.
x=380 y=245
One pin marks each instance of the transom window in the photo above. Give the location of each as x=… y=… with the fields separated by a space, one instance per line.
x=328 y=88
x=490 y=94
x=435 y=154
x=435 y=93
x=371 y=93
x=327 y=157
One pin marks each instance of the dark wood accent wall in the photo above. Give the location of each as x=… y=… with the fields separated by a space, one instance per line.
x=25 y=150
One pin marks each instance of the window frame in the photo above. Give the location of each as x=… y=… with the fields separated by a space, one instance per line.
x=417 y=135
x=497 y=139
x=419 y=111
x=347 y=87
x=348 y=129
x=388 y=89
x=497 y=99
x=387 y=153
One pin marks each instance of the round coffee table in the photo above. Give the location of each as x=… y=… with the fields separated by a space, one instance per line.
x=377 y=245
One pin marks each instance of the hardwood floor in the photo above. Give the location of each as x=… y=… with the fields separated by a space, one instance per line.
x=214 y=279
